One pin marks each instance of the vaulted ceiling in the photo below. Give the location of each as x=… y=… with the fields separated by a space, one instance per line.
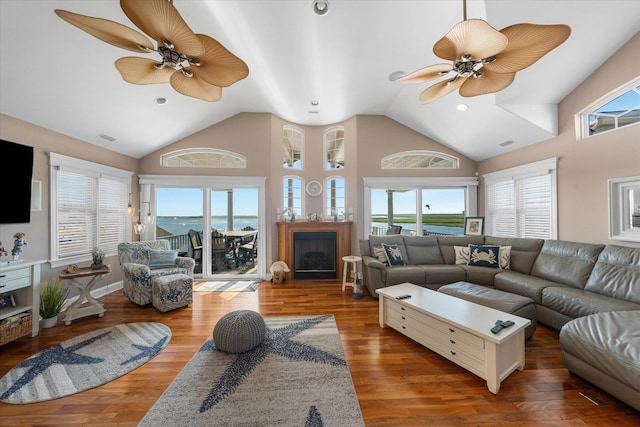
x=56 y=76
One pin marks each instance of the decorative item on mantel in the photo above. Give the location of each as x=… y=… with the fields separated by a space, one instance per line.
x=18 y=244
x=98 y=257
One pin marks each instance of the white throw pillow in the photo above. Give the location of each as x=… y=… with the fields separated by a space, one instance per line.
x=462 y=254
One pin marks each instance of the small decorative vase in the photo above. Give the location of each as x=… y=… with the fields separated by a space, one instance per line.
x=95 y=266
x=49 y=322
x=357 y=289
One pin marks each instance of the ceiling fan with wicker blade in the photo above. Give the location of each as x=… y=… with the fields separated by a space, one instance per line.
x=195 y=65
x=483 y=59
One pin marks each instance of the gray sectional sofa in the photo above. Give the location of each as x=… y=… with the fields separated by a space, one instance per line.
x=577 y=287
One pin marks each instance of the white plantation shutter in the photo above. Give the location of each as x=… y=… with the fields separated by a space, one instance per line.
x=76 y=213
x=500 y=208
x=521 y=201
x=88 y=202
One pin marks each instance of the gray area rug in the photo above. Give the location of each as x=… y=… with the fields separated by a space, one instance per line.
x=83 y=362
x=227 y=286
x=297 y=377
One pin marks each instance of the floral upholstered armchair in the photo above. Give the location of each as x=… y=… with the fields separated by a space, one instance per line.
x=142 y=261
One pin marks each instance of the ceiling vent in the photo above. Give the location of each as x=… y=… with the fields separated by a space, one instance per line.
x=508 y=142
x=107 y=137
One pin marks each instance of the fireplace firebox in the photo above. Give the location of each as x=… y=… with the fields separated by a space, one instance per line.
x=314 y=255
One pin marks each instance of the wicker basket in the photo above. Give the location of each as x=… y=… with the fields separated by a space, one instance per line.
x=14 y=330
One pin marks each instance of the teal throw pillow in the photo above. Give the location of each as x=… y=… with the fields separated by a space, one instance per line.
x=159 y=258
x=394 y=256
x=484 y=255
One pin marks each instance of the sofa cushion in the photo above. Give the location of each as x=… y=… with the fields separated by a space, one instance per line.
x=422 y=250
x=481 y=275
x=504 y=256
x=522 y=284
x=393 y=254
x=393 y=239
x=462 y=255
x=484 y=256
x=617 y=274
x=569 y=263
x=138 y=252
x=442 y=274
x=605 y=342
x=575 y=303
x=524 y=251
x=447 y=243
x=403 y=273
x=159 y=258
x=380 y=254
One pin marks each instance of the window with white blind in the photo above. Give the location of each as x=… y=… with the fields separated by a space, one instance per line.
x=521 y=201
x=88 y=202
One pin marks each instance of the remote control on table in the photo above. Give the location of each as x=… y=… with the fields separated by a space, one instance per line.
x=403 y=296
x=500 y=325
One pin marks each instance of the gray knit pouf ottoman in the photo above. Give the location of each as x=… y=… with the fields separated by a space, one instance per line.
x=171 y=291
x=239 y=331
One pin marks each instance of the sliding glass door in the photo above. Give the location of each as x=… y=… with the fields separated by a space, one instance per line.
x=217 y=222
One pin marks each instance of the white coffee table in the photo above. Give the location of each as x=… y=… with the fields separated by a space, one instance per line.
x=456 y=329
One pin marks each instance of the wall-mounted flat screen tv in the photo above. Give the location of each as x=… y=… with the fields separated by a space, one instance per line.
x=16 y=167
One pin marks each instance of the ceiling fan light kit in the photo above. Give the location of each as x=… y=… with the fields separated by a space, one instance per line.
x=484 y=60
x=195 y=65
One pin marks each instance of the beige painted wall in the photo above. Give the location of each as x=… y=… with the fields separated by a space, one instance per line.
x=585 y=166
x=37 y=231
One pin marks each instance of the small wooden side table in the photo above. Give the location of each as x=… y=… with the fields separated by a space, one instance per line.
x=353 y=261
x=93 y=306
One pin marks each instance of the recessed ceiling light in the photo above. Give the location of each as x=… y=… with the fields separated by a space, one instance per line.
x=320 y=7
x=462 y=107
x=396 y=75
x=160 y=101
x=314 y=102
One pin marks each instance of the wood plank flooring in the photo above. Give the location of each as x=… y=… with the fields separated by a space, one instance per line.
x=398 y=382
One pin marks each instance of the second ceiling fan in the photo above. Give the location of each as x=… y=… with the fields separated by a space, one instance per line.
x=484 y=60
x=195 y=65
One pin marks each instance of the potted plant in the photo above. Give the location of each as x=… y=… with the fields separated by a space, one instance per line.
x=98 y=257
x=52 y=298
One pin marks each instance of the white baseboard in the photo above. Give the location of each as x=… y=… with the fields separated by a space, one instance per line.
x=96 y=293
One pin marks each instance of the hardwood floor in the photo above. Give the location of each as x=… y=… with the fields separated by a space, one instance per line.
x=398 y=382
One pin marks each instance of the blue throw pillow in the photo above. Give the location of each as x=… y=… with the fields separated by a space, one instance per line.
x=394 y=256
x=484 y=256
x=162 y=258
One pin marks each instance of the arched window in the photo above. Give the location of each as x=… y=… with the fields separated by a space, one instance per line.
x=419 y=160
x=334 y=148
x=293 y=147
x=204 y=158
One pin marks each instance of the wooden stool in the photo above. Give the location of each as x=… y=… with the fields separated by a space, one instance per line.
x=353 y=260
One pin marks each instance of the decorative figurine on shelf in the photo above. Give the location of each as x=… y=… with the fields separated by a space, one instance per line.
x=2 y=251
x=18 y=244
x=98 y=257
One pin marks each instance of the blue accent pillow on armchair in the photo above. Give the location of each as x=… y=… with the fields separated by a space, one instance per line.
x=162 y=258
x=394 y=256
x=484 y=255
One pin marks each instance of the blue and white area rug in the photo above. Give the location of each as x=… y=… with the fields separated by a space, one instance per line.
x=227 y=286
x=83 y=362
x=297 y=377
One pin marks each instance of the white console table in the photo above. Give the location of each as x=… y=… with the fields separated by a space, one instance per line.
x=22 y=280
x=456 y=329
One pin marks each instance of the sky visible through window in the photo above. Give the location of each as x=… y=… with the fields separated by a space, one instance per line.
x=188 y=202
